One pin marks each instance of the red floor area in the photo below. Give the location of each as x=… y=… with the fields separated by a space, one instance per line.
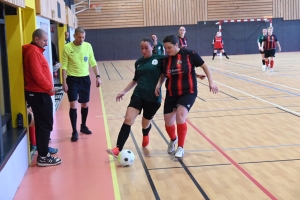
x=85 y=171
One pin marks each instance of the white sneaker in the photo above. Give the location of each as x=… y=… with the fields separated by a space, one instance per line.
x=179 y=152
x=264 y=68
x=171 y=146
x=271 y=70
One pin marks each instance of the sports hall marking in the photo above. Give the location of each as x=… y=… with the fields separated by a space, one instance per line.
x=145 y=167
x=184 y=166
x=258 y=83
x=117 y=70
x=108 y=141
x=222 y=92
x=242 y=170
x=106 y=71
x=256 y=79
x=276 y=105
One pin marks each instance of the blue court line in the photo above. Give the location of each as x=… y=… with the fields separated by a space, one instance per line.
x=275 y=88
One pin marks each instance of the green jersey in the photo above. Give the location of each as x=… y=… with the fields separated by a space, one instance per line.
x=147 y=73
x=76 y=59
x=159 y=48
x=260 y=39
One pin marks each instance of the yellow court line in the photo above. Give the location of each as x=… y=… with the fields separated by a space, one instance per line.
x=112 y=164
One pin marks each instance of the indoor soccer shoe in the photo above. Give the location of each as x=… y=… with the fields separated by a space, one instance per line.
x=74 y=137
x=145 y=141
x=179 y=152
x=114 y=152
x=84 y=129
x=48 y=161
x=52 y=150
x=171 y=146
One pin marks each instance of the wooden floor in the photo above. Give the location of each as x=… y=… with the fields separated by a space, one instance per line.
x=243 y=143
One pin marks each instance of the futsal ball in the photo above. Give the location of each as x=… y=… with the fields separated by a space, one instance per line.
x=126 y=157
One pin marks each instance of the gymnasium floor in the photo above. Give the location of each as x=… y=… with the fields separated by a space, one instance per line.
x=242 y=143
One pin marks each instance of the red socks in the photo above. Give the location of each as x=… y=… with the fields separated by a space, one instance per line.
x=267 y=63
x=271 y=64
x=181 y=131
x=171 y=131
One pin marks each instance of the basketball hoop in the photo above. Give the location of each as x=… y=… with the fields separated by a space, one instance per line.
x=97 y=7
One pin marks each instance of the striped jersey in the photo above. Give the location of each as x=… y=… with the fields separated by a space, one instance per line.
x=180 y=72
x=182 y=42
x=270 y=41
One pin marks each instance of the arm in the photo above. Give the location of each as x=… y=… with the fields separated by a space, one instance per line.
x=212 y=87
x=130 y=85
x=97 y=74
x=64 y=80
x=279 y=47
x=160 y=81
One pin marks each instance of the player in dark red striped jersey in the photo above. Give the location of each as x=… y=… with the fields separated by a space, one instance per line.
x=269 y=44
x=179 y=70
x=182 y=41
x=218 y=44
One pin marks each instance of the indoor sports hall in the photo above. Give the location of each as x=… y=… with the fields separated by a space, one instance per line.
x=241 y=143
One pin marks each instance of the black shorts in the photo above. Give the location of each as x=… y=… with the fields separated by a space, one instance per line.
x=270 y=53
x=79 y=86
x=171 y=102
x=149 y=108
x=218 y=49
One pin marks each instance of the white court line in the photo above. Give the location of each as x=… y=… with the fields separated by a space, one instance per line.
x=276 y=105
x=256 y=78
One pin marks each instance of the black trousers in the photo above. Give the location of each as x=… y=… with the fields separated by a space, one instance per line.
x=42 y=108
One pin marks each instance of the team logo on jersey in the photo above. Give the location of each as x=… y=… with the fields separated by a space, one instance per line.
x=85 y=58
x=154 y=62
x=179 y=62
x=159 y=48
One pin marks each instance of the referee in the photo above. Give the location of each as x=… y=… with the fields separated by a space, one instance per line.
x=77 y=56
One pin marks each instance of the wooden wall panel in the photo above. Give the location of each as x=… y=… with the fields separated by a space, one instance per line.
x=286 y=9
x=15 y=3
x=114 y=14
x=174 y=12
x=139 y=13
x=49 y=10
x=239 y=9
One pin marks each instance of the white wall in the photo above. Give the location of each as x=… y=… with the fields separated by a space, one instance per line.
x=44 y=24
x=72 y=31
x=14 y=171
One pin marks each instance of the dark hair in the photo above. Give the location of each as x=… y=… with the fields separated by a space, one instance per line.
x=152 y=34
x=149 y=40
x=171 y=38
x=79 y=30
x=38 y=33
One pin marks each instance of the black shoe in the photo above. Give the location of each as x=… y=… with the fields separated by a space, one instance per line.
x=74 y=137
x=84 y=129
x=213 y=58
x=48 y=161
x=227 y=57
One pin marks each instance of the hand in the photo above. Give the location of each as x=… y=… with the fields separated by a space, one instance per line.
x=157 y=91
x=52 y=91
x=200 y=76
x=120 y=96
x=279 y=49
x=213 y=88
x=98 y=82
x=65 y=87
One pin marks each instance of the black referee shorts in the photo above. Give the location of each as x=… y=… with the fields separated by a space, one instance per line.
x=270 y=53
x=79 y=86
x=149 y=108
x=171 y=102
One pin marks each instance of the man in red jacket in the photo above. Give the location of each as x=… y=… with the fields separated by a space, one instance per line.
x=38 y=91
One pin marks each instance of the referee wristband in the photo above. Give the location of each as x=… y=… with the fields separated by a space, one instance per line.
x=97 y=76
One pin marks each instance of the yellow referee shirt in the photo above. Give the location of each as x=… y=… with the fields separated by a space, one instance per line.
x=76 y=59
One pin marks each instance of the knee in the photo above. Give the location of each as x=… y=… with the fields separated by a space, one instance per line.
x=84 y=105
x=129 y=120
x=73 y=104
